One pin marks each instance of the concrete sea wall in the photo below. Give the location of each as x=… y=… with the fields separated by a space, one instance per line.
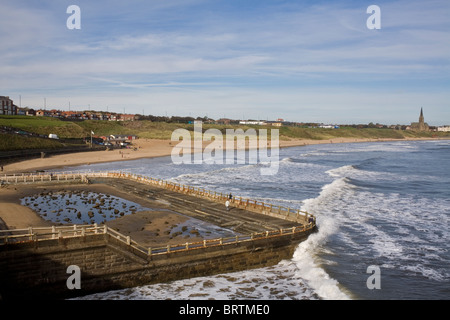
x=38 y=269
x=35 y=263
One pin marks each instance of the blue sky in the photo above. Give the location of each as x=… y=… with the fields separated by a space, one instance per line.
x=312 y=61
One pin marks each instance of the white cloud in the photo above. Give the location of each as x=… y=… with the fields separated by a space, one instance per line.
x=179 y=49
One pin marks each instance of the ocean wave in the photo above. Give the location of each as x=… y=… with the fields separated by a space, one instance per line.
x=278 y=282
x=343 y=171
x=305 y=258
x=305 y=255
x=328 y=192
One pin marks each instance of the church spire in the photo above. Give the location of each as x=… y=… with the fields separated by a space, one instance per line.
x=421 y=121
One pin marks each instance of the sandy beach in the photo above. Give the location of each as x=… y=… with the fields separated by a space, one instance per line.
x=145 y=148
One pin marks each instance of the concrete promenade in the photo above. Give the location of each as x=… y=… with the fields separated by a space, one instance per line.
x=34 y=262
x=239 y=220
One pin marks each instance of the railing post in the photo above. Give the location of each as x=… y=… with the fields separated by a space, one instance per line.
x=150 y=251
x=128 y=240
x=168 y=248
x=53 y=232
x=30 y=231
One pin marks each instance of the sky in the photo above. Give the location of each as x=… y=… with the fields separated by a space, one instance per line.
x=305 y=61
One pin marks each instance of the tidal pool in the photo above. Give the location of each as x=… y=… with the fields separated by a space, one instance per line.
x=80 y=207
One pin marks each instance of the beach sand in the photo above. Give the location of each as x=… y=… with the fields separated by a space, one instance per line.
x=145 y=148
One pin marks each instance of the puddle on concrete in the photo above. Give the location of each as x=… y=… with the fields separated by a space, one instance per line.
x=80 y=207
x=194 y=227
x=85 y=207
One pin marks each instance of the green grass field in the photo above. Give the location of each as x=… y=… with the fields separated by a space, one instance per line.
x=162 y=130
x=10 y=142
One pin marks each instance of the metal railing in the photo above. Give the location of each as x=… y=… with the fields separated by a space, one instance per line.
x=295 y=215
x=61 y=232
x=32 y=234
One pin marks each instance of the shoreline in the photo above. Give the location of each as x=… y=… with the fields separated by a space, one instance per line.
x=153 y=148
x=13 y=214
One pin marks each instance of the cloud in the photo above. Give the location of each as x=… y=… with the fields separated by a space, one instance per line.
x=186 y=53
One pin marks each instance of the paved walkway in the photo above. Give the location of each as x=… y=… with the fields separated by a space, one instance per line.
x=239 y=220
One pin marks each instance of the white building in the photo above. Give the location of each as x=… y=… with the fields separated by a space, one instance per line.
x=444 y=128
x=259 y=123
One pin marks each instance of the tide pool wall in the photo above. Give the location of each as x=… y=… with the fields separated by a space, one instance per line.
x=38 y=269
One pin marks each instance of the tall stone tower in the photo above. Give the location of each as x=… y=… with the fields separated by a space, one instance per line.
x=421 y=125
x=421 y=121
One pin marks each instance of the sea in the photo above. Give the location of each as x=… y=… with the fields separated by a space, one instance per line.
x=382 y=210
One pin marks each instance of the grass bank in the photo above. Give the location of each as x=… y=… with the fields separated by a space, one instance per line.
x=162 y=130
x=11 y=142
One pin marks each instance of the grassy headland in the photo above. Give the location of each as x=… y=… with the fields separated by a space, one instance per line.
x=162 y=130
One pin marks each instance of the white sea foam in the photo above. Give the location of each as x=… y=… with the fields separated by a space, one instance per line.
x=310 y=269
x=305 y=256
x=401 y=231
x=272 y=283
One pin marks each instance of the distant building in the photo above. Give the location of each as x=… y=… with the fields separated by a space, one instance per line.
x=22 y=111
x=444 y=129
x=421 y=125
x=42 y=113
x=253 y=122
x=126 y=117
x=7 y=106
x=224 y=121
